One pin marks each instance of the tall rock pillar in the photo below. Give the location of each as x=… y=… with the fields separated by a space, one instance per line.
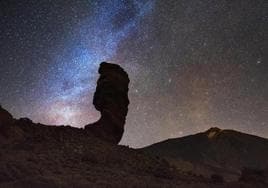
x=111 y=99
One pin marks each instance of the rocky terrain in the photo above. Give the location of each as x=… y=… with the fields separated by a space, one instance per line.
x=36 y=155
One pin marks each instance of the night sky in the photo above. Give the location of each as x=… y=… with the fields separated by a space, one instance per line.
x=192 y=64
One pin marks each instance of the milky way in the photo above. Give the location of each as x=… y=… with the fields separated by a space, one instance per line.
x=192 y=65
x=72 y=80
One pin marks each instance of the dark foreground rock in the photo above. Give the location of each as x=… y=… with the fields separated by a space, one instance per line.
x=111 y=99
x=5 y=116
x=35 y=155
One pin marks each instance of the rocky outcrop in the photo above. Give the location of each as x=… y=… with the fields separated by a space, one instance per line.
x=5 y=116
x=111 y=99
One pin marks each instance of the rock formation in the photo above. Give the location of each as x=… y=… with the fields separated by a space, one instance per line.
x=5 y=116
x=111 y=99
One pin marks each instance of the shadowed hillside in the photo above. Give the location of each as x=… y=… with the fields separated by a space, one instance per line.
x=215 y=151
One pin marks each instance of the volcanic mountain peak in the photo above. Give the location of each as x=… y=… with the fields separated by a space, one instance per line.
x=213 y=132
x=224 y=152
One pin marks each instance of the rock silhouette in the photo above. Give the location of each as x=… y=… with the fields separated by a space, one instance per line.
x=5 y=116
x=111 y=99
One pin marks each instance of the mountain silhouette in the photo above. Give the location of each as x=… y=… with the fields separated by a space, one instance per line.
x=215 y=151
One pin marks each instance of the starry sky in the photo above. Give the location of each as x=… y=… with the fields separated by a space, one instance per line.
x=192 y=64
